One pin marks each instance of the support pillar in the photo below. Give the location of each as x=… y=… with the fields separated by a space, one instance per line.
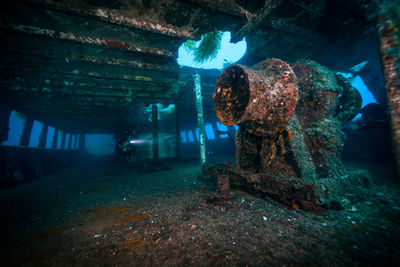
x=200 y=120
x=43 y=136
x=63 y=136
x=4 y=122
x=76 y=141
x=81 y=141
x=216 y=131
x=155 y=133
x=391 y=73
x=55 y=139
x=177 y=134
x=26 y=132
x=187 y=135
x=70 y=141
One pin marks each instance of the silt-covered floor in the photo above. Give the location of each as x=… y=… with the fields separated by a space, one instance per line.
x=110 y=214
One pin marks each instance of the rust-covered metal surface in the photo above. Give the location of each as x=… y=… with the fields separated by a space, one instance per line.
x=298 y=129
x=263 y=99
x=391 y=62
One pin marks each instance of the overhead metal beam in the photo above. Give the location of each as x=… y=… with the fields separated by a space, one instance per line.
x=256 y=19
x=88 y=40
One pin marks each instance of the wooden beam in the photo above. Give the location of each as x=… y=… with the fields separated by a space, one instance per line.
x=26 y=131
x=155 y=132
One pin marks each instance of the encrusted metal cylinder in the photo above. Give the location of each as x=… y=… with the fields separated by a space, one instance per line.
x=262 y=99
x=318 y=92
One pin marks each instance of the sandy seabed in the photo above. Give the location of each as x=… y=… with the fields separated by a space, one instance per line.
x=108 y=214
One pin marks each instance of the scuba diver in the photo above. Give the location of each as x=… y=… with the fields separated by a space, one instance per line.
x=126 y=145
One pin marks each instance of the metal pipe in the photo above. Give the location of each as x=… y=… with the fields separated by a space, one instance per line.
x=262 y=99
x=200 y=119
x=155 y=132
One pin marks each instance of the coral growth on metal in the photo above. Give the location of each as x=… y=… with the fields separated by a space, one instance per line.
x=264 y=98
x=289 y=121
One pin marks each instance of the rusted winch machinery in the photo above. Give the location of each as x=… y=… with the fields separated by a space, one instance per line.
x=289 y=137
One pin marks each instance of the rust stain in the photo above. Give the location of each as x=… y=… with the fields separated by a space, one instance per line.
x=50 y=232
x=131 y=245
x=97 y=209
x=290 y=134
x=118 y=210
x=116 y=44
x=132 y=217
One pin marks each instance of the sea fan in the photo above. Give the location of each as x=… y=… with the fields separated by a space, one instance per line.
x=207 y=49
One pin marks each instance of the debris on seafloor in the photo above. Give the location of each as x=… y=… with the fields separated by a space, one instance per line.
x=130 y=244
x=289 y=136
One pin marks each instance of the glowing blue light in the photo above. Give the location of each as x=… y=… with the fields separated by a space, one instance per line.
x=228 y=54
x=222 y=127
x=50 y=133
x=183 y=137
x=366 y=95
x=59 y=140
x=190 y=136
x=15 y=129
x=36 y=130
x=209 y=131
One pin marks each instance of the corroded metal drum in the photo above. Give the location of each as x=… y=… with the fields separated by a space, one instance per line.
x=262 y=99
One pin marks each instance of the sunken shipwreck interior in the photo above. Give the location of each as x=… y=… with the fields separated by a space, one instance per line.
x=200 y=132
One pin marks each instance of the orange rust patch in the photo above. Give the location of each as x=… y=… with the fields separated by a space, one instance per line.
x=118 y=210
x=51 y=232
x=131 y=245
x=132 y=217
x=290 y=134
x=97 y=209
x=116 y=44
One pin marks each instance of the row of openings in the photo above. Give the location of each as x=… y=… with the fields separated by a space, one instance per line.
x=16 y=123
x=188 y=136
